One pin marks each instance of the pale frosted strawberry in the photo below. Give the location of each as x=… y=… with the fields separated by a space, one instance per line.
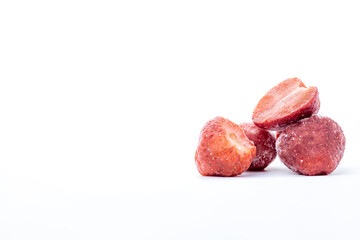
x=223 y=149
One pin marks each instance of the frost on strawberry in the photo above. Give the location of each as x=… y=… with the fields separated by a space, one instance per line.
x=312 y=146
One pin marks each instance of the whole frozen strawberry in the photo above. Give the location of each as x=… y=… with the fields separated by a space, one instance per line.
x=265 y=146
x=312 y=146
x=223 y=149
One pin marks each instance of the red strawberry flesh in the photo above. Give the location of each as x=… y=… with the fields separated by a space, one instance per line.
x=223 y=149
x=286 y=103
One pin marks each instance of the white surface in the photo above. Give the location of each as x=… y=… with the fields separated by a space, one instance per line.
x=102 y=103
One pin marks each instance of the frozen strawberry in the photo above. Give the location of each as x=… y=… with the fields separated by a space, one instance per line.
x=286 y=103
x=265 y=146
x=223 y=149
x=312 y=146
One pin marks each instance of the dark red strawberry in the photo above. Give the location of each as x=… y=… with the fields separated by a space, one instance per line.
x=265 y=146
x=312 y=146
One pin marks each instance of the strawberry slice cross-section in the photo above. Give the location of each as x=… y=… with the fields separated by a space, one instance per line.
x=286 y=103
x=223 y=149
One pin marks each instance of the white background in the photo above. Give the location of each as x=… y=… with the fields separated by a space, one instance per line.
x=102 y=103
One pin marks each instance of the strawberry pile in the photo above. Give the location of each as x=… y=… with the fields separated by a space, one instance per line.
x=306 y=143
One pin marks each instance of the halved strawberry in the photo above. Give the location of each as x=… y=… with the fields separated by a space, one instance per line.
x=286 y=103
x=223 y=149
